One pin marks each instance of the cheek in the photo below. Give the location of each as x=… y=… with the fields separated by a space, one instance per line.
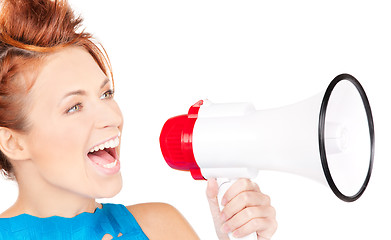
x=58 y=158
x=55 y=147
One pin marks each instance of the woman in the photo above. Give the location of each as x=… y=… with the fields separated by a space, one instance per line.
x=60 y=134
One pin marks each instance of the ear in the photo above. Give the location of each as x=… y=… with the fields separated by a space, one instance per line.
x=11 y=144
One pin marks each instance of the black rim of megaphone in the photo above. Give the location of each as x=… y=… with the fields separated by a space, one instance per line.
x=321 y=134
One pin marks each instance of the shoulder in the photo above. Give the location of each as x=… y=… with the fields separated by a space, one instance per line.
x=161 y=219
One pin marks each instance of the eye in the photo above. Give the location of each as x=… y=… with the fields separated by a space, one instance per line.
x=75 y=108
x=107 y=94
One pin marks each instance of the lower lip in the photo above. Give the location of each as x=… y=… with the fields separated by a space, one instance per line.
x=106 y=171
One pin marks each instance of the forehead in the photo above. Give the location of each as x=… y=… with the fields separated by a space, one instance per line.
x=70 y=68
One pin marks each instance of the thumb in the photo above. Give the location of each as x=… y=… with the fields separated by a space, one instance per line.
x=212 y=189
x=211 y=193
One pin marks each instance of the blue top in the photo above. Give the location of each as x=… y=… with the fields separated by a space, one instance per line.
x=111 y=218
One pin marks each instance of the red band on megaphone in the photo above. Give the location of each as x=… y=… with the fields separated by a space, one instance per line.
x=176 y=141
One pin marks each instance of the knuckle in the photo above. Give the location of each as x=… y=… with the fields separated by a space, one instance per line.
x=266 y=229
x=267 y=199
x=275 y=226
x=245 y=197
x=249 y=184
x=271 y=226
x=246 y=183
x=273 y=211
x=249 y=213
x=256 y=187
x=256 y=223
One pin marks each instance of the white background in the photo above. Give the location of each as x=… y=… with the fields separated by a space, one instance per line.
x=167 y=55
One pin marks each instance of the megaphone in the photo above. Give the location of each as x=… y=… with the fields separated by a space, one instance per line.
x=328 y=138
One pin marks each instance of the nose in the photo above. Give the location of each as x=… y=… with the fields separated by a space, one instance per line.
x=108 y=114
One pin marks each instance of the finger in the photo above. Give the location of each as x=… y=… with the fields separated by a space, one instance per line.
x=266 y=228
x=247 y=215
x=239 y=186
x=244 y=200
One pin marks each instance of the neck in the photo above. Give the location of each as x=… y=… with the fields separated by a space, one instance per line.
x=42 y=199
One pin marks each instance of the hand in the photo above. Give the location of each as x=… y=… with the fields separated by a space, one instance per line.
x=245 y=210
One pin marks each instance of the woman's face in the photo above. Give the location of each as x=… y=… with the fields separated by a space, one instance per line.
x=73 y=116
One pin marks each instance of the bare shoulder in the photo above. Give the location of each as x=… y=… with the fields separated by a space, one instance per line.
x=162 y=221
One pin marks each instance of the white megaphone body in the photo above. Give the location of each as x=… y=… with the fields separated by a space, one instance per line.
x=328 y=138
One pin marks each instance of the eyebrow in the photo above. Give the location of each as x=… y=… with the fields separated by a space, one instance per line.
x=82 y=92
x=104 y=83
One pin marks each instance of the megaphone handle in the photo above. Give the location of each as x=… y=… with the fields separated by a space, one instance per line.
x=224 y=185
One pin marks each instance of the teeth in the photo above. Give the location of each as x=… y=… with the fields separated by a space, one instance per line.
x=109 y=144
x=110 y=165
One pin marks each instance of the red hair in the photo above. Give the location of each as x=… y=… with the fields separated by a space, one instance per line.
x=29 y=31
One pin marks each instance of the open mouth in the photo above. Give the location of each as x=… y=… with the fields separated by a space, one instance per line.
x=105 y=154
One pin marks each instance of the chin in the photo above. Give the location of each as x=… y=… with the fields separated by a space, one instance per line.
x=110 y=188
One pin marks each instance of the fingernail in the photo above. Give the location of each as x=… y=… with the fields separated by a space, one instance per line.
x=225 y=228
x=222 y=217
x=223 y=202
